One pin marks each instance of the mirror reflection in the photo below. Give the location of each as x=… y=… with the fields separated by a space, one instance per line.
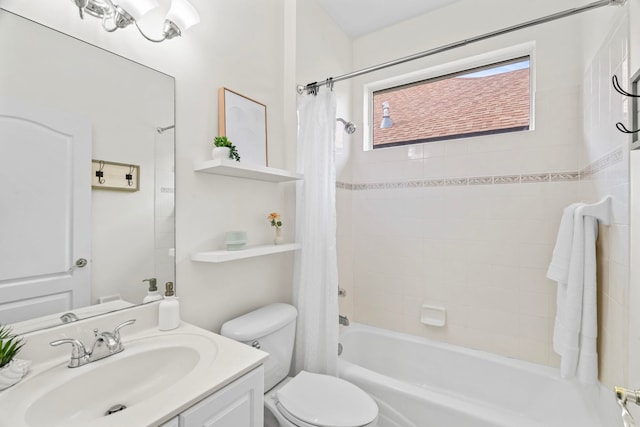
x=65 y=246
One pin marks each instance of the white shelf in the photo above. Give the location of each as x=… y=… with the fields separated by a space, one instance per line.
x=249 y=252
x=243 y=170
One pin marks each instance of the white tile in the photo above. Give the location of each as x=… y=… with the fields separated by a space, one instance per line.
x=535 y=255
x=534 y=280
x=493 y=321
x=534 y=328
x=619 y=243
x=535 y=304
x=533 y=350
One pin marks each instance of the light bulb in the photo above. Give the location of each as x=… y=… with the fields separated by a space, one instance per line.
x=137 y=8
x=183 y=14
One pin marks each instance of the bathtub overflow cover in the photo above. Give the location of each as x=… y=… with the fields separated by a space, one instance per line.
x=115 y=408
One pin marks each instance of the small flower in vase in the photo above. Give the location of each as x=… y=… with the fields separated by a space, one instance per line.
x=274 y=219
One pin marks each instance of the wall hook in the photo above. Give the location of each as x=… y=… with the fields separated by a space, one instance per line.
x=129 y=176
x=616 y=85
x=622 y=128
x=100 y=173
x=618 y=88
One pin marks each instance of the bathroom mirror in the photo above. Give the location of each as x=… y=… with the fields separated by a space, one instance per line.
x=128 y=110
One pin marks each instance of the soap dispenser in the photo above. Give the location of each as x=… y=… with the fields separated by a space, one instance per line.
x=153 y=294
x=169 y=310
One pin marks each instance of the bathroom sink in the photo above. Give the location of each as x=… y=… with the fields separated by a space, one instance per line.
x=147 y=368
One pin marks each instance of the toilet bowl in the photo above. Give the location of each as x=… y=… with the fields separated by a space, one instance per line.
x=312 y=400
x=307 y=399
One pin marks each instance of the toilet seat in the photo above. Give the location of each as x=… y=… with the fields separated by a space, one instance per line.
x=315 y=400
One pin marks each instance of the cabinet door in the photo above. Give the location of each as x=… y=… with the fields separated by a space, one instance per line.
x=175 y=422
x=240 y=404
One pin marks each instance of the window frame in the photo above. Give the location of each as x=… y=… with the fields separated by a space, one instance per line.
x=443 y=71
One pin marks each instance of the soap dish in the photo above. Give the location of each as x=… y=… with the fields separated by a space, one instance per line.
x=433 y=315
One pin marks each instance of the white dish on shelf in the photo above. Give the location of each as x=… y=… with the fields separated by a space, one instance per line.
x=235 y=240
x=235 y=245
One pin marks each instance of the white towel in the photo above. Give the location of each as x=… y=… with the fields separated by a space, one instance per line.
x=559 y=267
x=573 y=266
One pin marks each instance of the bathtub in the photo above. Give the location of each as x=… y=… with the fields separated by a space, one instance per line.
x=422 y=383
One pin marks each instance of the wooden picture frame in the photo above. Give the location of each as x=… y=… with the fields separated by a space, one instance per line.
x=244 y=122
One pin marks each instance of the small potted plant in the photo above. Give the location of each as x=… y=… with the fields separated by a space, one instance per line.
x=224 y=149
x=11 y=369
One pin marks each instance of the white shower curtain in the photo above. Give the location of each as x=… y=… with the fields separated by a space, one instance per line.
x=315 y=280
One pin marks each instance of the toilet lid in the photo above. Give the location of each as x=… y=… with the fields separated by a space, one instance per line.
x=327 y=401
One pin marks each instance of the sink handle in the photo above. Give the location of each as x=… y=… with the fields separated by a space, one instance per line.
x=116 y=331
x=77 y=350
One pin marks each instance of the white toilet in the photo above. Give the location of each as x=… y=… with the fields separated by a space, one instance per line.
x=308 y=399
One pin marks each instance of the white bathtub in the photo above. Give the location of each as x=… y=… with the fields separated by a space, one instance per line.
x=422 y=383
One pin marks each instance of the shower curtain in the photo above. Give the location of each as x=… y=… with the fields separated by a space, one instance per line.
x=315 y=280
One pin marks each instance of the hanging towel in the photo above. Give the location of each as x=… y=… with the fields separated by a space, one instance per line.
x=559 y=267
x=573 y=266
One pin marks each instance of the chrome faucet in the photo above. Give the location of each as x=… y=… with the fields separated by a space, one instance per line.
x=106 y=344
x=623 y=396
x=343 y=320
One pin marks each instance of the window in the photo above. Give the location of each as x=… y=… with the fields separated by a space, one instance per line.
x=485 y=100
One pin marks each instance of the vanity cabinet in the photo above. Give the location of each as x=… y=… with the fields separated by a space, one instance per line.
x=239 y=404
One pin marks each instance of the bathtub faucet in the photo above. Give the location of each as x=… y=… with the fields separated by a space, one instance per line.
x=623 y=395
x=343 y=320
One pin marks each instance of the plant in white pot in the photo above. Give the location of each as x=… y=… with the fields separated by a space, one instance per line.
x=11 y=369
x=224 y=149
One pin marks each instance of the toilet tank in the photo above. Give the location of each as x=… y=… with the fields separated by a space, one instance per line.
x=273 y=328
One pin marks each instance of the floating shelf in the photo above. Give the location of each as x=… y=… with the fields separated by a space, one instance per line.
x=249 y=252
x=243 y=170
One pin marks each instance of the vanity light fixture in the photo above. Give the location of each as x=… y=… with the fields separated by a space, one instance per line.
x=114 y=15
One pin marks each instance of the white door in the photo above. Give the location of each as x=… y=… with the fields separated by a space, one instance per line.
x=45 y=211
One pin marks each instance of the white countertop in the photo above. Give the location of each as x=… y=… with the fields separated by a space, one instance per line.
x=231 y=361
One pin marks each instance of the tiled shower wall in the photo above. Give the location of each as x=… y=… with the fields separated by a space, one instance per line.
x=470 y=225
x=478 y=250
x=603 y=107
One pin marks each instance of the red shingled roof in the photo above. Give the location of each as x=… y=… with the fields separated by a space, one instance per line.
x=454 y=106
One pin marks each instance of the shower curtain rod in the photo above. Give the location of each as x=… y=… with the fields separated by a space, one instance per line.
x=313 y=87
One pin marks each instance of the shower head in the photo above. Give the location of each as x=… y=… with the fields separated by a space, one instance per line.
x=349 y=127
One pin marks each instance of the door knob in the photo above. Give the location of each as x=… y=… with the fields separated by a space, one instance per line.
x=81 y=262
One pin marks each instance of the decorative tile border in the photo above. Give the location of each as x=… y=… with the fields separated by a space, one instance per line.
x=565 y=176
x=602 y=163
x=506 y=179
x=535 y=177
x=456 y=181
x=587 y=172
x=480 y=180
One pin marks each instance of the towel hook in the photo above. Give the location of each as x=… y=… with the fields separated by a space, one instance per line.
x=618 y=88
x=616 y=85
x=129 y=176
x=622 y=128
x=100 y=173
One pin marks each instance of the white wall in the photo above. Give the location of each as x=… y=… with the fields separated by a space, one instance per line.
x=239 y=45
